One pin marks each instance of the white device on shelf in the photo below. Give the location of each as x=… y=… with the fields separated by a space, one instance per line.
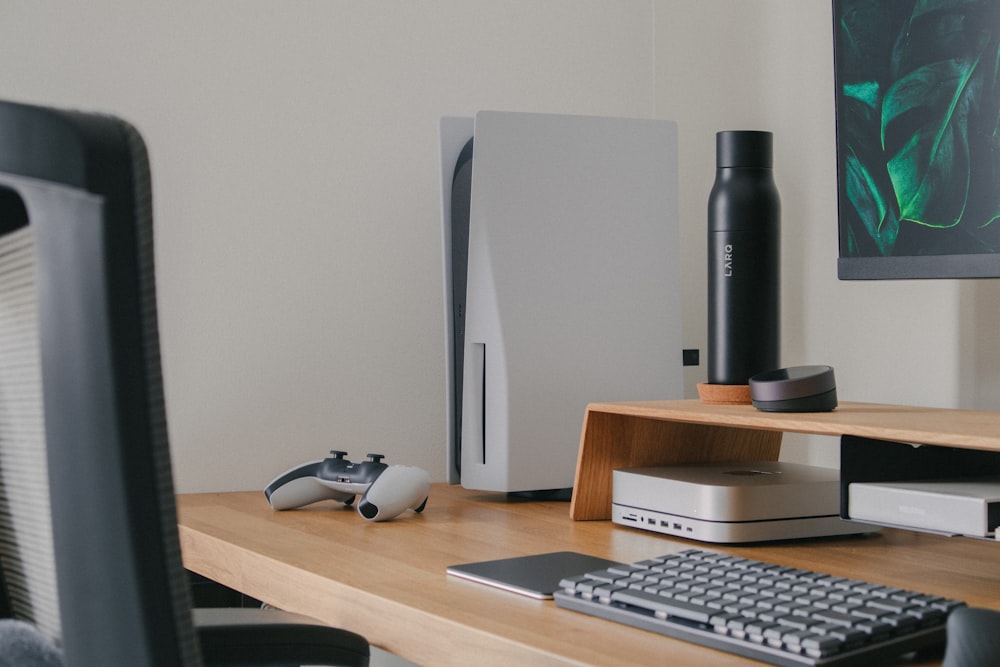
x=732 y=502
x=573 y=291
x=969 y=507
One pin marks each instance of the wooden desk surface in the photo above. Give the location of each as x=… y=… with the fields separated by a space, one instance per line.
x=387 y=581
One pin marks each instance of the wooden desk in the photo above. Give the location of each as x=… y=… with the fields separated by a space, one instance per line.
x=387 y=581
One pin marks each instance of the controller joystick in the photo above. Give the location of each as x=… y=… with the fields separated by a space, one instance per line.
x=337 y=478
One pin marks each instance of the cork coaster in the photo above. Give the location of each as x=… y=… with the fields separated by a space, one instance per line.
x=724 y=394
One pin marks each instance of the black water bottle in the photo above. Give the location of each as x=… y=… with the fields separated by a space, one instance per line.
x=744 y=248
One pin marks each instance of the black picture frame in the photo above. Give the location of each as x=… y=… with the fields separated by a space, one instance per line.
x=918 y=138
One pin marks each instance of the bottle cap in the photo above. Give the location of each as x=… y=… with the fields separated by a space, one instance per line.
x=744 y=148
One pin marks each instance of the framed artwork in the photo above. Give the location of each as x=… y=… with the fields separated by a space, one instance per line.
x=918 y=138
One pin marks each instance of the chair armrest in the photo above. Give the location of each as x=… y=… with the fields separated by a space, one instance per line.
x=273 y=638
x=973 y=638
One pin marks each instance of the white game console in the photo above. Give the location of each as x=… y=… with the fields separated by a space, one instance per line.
x=969 y=507
x=757 y=501
x=562 y=288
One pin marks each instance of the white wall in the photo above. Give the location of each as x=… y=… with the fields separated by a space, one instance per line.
x=732 y=64
x=294 y=155
x=295 y=173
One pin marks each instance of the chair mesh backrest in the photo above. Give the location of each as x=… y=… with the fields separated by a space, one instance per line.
x=26 y=554
x=84 y=190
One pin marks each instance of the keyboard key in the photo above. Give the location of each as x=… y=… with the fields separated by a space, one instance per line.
x=835 y=617
x=606 y=576
x=626 y=570
x=819 y=646
x=605 y=592
x=720 y=622
x=850 y=637
x=948 y=605
x=891 y=605
x=570 y=583
x=874 y=628
x=869 y=613
x=928 y=616
x=792 y=640
x=659 y=605
x=796 y=622
x=737 y=626
x=901 y=622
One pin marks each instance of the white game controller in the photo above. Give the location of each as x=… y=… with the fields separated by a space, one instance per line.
x=386 y=491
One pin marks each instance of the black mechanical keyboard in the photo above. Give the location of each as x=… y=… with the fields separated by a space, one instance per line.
x=777 y=614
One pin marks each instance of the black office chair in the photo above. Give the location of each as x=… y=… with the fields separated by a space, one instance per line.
x=89 y=551
x=973 y=638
